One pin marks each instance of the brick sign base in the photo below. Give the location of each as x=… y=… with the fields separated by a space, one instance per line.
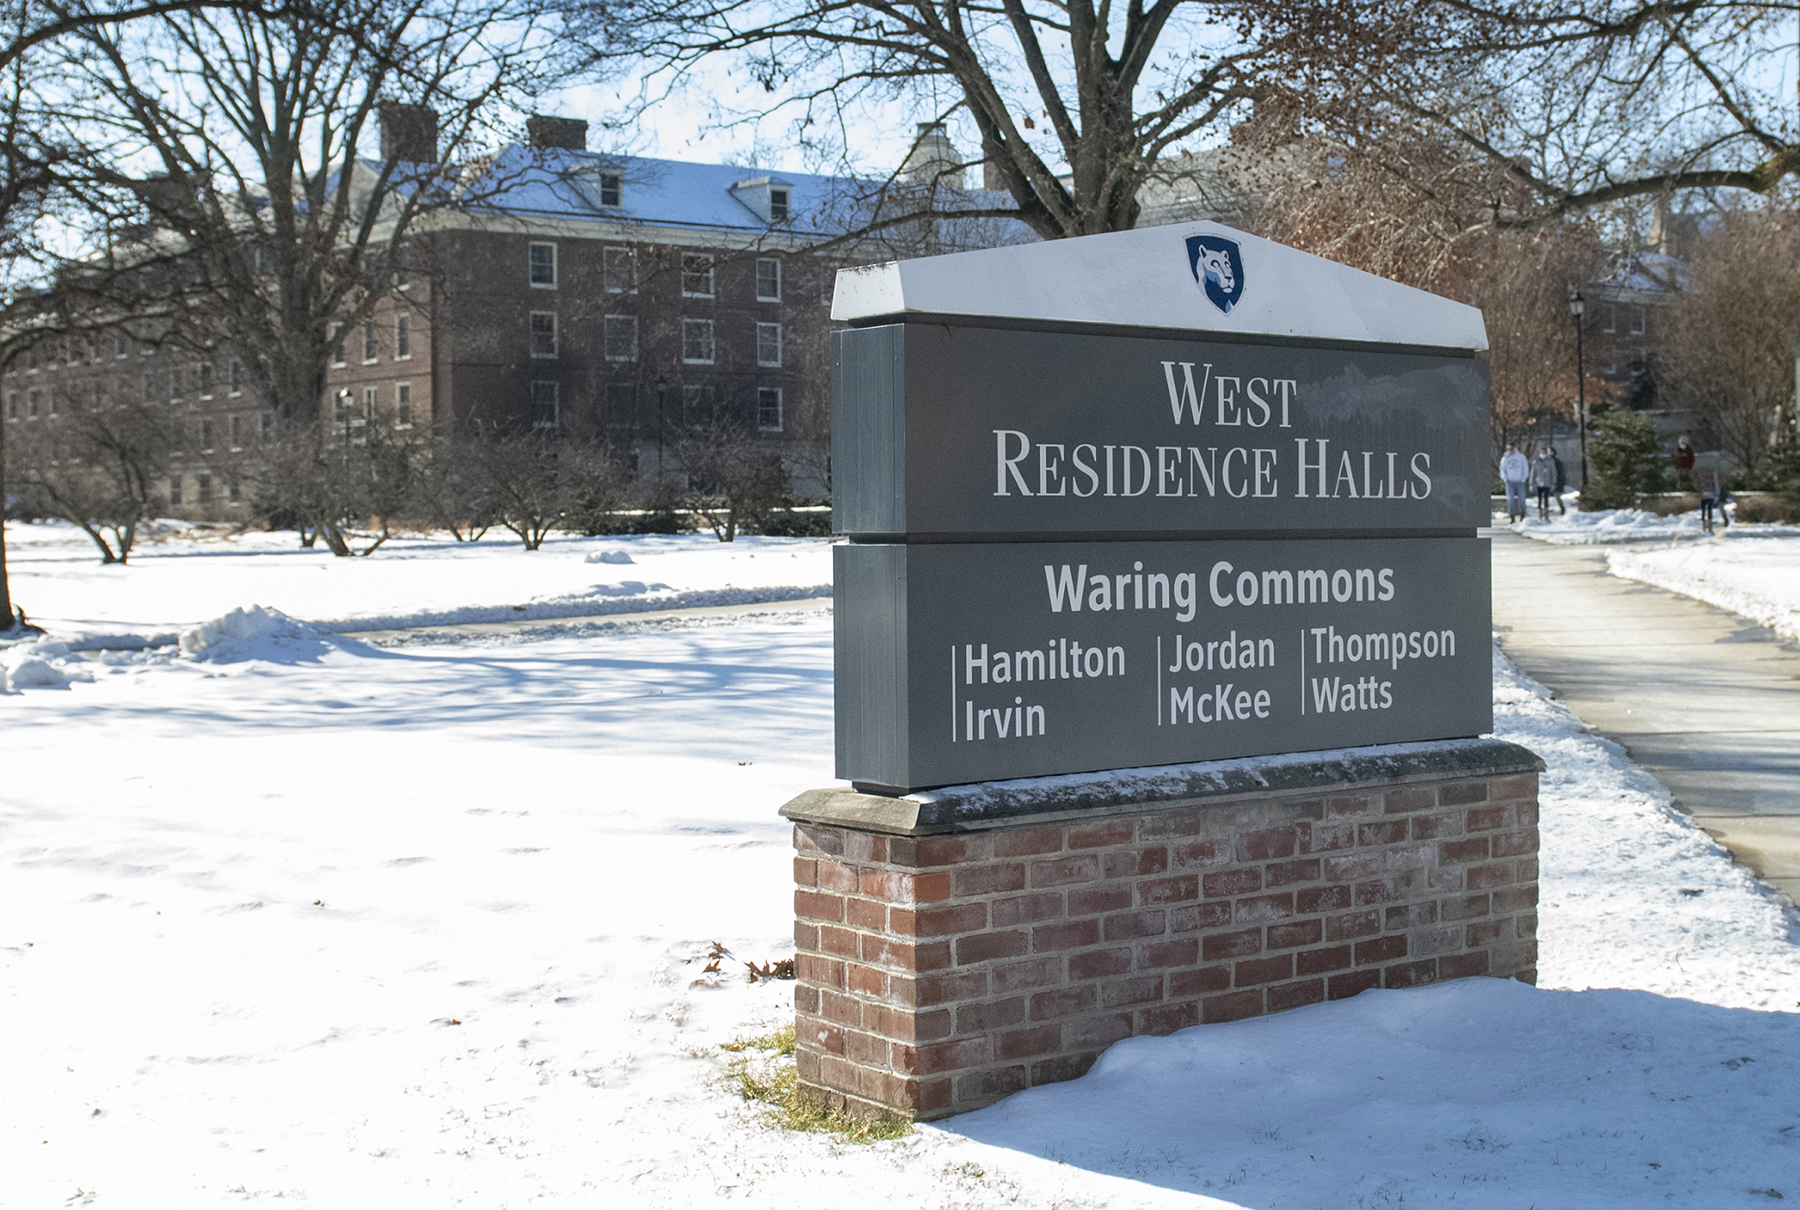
x=957 y=946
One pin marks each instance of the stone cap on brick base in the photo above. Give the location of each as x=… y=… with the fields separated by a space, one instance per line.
x=1161 y=787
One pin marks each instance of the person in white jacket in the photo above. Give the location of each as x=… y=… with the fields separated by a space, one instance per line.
x=1514 y=470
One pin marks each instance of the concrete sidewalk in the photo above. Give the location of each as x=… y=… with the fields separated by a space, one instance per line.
x=1706 y=701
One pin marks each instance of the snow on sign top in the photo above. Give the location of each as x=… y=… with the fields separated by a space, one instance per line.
x=1196 y=276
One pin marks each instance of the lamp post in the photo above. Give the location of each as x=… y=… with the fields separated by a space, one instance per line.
x=1577 y=305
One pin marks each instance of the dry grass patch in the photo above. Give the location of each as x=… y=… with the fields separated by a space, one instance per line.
x=763 y=1070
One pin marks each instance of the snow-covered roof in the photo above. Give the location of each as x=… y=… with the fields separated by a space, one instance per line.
x=1163 y=277
x=558 y=183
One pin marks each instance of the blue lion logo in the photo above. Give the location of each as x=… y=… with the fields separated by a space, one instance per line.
x=1218 y=269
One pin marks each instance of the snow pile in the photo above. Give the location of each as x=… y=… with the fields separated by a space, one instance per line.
x=1609 y=525
x=1759 y=579
x=255 y=633
x=42 y=664
x=611 y=556
x=1481 y=1091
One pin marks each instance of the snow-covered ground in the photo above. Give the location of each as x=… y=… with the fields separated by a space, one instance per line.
x=174 y=582
x=425 y=925
x=1606 y=527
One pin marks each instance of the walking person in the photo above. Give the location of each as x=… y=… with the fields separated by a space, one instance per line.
x=1562 y=483
x=1514 y=470
x=1543 y=479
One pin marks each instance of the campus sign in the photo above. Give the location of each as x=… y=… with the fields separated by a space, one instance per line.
x=1162 y=496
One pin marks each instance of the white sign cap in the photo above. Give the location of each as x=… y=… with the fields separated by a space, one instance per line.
x=1198 y=277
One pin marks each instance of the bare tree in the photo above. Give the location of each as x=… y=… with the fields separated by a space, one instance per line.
x=1107 y=92
x=734 y=480
x=1728 y=355
x=295 y=164
x=100 y=468
x=1555 y=106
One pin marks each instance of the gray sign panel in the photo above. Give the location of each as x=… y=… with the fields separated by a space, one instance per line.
x=955 y=431
x=968 y=662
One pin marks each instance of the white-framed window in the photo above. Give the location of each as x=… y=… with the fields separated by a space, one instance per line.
x=1609 y=314
x=31 y=406
x=237 y=432
x=371 y=348
x=543 y=333
x=402 y=335
x=206 y=436
x=618 y=269
x=697 y=341
x=337 y=345
x=371 y=400
x=621 y=337
x=697 y=406
x=768 y=344
x=174 y=489
x=768 y=279
x=778 y=205
x=768 y=409
x=121 y=346
x=205 y=383
x=234 y=490
x=611 y=189
x=403 y=404
x=696 y=275
x=237 y=377
x=542 y=265
x=1637 y=319
x=203 y=482
x=546 y=404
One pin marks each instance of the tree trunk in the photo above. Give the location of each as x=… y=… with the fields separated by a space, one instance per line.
x=6 y=605
x=334 y=539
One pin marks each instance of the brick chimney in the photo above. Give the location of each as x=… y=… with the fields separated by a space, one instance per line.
x=409 y=133
x=568 y=134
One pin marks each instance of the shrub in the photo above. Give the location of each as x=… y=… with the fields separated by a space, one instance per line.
x=1627 y=460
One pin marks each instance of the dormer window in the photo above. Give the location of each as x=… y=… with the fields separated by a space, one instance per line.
x=609 y=188
x=768 y=198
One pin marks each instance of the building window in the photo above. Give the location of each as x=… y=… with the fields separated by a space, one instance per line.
x=31 y=406
x=768 y=344
x=175 y=384
x=204 y=484
x=543 y=334
x=403 y=405
x=778 y=205
x=1611 y=313
x=543 y=266
x=610 y=188
x=621 y=338
x=697 y=341
x=618 y=270
x=768 y=279
x=177 y=434
x=237 y=377
x=268 y=425
x=237 y=432
x=370 y=348
x=696 y=275
x=174 y=489
x=149 y=386
x=206 y=380
x=70 y=354
x=206 y=437
x=546 y=406
x=371 y=395
x=1637 y=319
x=31 y=360
x=337 y=345
x=233 y=489
x=697 y=406
x=621 y=405
x=121 y=345
x=768 y=409
x=402 y=336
